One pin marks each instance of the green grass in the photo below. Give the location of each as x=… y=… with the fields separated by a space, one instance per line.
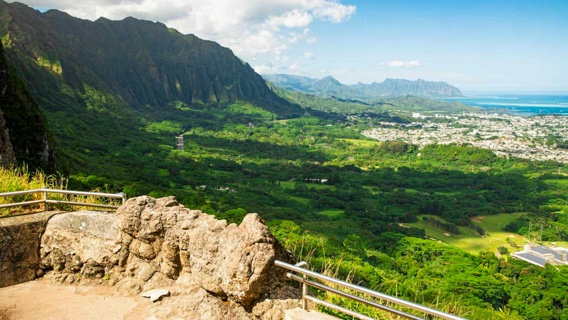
x=473 y=243
x=332 y=213
x=288 y=184
x=362 y=143
x=300 y=199
x=317 y=186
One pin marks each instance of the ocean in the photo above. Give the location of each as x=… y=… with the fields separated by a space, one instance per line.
x=522 y=104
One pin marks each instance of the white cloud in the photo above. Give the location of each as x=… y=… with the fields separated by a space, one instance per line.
x=264 y=69
x=398 y=63
x=250 y=28
x=309 y=55
x=288 y=68
x=333 y=11
x=292 y=19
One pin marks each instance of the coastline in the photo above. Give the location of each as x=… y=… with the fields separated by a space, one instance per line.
x=520 y=104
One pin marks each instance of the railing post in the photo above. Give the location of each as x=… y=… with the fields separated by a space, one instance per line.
x=304 y=264
x=123 y=197
x=45 y=204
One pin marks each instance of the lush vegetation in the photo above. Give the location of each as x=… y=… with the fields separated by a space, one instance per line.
x=433 y=225
x=336 y=198
x=20 y=179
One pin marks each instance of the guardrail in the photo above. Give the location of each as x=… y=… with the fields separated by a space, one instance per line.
x=298 y=268
x=46 y=201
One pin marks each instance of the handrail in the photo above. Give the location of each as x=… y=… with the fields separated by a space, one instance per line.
x=47 y=201
x=397 y=301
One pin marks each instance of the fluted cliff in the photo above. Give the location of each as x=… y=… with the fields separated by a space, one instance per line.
x=141 y=64
x=24 y=135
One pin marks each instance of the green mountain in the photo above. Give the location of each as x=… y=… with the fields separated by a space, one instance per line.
x=107 y=86
x=70 y=62
x=24 y=136
x=389 y=88
x=406 y=104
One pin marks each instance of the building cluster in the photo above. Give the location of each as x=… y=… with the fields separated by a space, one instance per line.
x=542 y=255
x=506 y=135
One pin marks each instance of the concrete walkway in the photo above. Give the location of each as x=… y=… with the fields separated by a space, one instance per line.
x=301 y=314
x=37 y=300
x=40 y=300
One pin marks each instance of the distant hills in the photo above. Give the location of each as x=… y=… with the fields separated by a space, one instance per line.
x=389 y=88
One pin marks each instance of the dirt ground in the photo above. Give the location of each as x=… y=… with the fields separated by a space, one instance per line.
x=41 y=300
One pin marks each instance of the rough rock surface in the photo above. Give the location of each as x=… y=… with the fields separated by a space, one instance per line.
x=19 y=244
x=151 y=244
x=80 y=242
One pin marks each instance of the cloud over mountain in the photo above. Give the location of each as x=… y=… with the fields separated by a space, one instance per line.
x=249 y=27
x=398 y=63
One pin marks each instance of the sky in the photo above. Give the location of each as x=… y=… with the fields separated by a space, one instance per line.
x=476 y=45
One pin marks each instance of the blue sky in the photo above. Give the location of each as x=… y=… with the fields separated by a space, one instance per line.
x=474 y=45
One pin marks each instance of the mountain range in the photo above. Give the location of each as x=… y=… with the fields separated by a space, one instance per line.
x=107 y=85
x=140 y=64
x=389 y=88
x=101 y=83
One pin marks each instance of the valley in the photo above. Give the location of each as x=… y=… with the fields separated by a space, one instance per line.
x=357 y=188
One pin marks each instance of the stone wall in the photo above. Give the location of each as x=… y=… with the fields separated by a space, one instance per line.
x=19 y=247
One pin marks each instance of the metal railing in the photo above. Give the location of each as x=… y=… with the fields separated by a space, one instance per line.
x=46 y=201
x=298 y=268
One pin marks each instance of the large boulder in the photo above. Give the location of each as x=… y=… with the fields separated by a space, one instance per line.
x=227 y=260
x=82 y=241
x=152 y=243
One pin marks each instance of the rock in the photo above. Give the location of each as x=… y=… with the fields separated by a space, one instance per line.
x=229 y=261
x=158 y=243
x=19 y=247
x=156 y=294
x=82 y=241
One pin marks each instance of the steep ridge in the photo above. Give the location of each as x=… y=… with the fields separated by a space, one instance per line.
x=24 y=135
x=66 y=61
x=389 y=88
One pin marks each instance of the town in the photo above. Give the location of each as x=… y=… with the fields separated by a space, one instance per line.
x=534 y=138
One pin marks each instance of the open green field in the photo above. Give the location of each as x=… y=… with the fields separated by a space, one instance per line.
x=300 y=199
x=361 y=143
x=332 y=213
x=473 y=243
x=317 y=186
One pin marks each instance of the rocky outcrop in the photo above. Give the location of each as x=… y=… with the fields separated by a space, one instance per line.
x=157 y=243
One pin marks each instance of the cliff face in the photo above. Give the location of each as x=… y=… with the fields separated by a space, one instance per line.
x=24 y=135
x=140 y=63
x=7 y=156
x=390 y=88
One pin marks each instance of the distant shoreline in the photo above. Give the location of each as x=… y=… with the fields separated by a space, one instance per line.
x=521 y=104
